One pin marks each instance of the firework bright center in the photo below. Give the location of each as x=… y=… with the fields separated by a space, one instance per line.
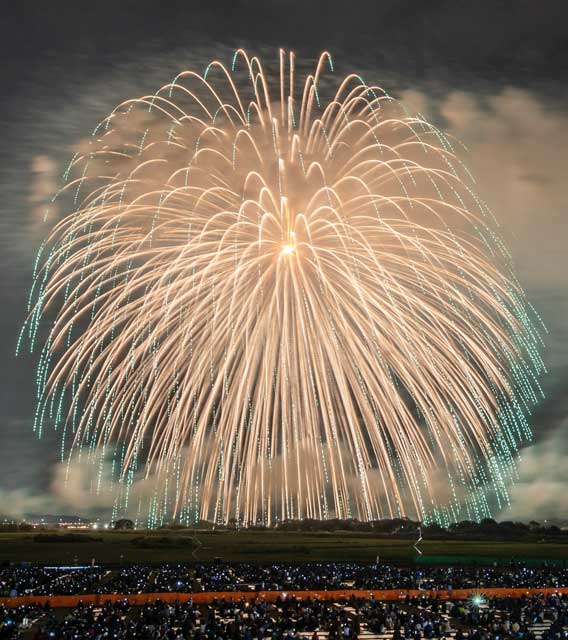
x=288 y=250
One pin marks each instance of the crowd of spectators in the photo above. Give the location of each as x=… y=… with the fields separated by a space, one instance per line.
x=130 y=579
x=17 y=580
x=525 y=618
x=15 y=620
x=528 y=618
x=224 y=577
x=334 y=575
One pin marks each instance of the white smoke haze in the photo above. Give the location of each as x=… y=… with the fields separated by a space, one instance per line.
x=543 y=477
x=44 y=185
x=87 y=487
x=518 y=153
x=17 y=503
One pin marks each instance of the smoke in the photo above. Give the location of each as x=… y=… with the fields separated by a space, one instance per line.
x=17 y=503
x=44 y=177
x=518 y=152
x=543 y=477
x=78 y=487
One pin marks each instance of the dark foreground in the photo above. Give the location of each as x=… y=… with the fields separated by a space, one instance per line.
x=263 y=546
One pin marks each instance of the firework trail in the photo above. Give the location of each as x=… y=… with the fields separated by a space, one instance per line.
x=281 y=299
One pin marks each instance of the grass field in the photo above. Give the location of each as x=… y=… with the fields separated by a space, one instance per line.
x=261 y=546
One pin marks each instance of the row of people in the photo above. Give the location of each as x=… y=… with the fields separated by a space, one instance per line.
x=186 y=578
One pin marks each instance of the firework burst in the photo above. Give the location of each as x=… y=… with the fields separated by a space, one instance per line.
x=282 y=299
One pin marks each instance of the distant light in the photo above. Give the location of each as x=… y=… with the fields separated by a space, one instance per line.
x=73 y=567
x=477 y=600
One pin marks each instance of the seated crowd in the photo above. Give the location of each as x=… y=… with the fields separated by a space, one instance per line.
x=186 y=578
x=527 y=618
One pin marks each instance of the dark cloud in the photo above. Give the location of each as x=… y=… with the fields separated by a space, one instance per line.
x=507 y=39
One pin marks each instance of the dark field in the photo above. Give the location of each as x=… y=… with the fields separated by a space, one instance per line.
x=260 y=546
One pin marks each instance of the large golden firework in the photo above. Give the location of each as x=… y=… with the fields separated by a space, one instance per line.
x=282 y=300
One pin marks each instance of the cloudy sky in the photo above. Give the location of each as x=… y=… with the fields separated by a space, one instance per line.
x=491 y=72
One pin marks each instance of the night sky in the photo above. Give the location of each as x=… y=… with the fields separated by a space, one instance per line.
x=493 y=73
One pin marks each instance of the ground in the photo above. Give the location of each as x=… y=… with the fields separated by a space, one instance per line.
x=264 y=546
